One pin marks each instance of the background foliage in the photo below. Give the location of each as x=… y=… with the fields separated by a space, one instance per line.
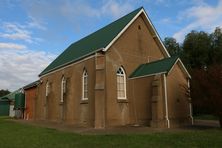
x=202 y=55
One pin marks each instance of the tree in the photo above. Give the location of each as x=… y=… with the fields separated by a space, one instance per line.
x=216 y=46
x=196 y=48
x=206 y=89
x=172 y=46
x=4 y=92
x=202 y=54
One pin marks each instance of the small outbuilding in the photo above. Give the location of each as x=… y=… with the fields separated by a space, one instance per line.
x=19 y=106
x=30 y=91
x=4 y=107
x=7 y=104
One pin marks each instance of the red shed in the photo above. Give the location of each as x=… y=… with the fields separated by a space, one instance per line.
x=30 y=96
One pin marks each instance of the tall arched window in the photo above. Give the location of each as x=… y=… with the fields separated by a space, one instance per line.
x=63 y=88
x=47 y=89
x=85 y=85
x=121 y=83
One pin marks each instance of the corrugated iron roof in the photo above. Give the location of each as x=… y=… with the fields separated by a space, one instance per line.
x=91 y=43
x=33 y=84
x=160 y=66
x=10 y=96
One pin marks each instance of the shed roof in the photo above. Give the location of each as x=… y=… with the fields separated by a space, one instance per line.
x=156 y=67
x=10 y=96
x=91 y=43
x=33 y=84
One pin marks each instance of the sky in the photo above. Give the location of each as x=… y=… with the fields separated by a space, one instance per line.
x=34 y=32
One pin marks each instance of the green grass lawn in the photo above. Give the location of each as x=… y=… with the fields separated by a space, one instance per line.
x=13 y=135
x=205 y=117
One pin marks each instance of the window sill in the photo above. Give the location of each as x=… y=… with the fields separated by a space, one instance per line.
x=84 y=101
x=122 y=101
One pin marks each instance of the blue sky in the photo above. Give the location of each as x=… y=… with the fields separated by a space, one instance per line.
x=34 y=32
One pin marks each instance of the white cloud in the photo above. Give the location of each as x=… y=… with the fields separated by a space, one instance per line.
x=20 y=67
x=36 y=23
x=12 y=46
x=204 y=17
x=72 y=10
x=15 y=31
x=198 y=2
x=165 y=21
x=115 y=8
x=83 y=9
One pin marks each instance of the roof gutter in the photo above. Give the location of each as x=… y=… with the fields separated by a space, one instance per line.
x=131 y=78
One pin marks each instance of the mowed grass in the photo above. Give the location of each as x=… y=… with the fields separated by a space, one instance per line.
x=17 y=135
x=206 y=117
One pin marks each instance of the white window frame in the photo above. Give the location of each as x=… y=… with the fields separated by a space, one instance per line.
x=124 y=81
x=63 y=88
x=47 y=89
x=84 y=89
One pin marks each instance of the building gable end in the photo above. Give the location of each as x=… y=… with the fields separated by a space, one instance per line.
x=182 y=67
x=148 y=23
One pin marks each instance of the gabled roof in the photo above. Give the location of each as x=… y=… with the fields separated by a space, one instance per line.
x=157 y=67
x=102 y=40
x=91 y=43
x=10 y=96
x=33 y=84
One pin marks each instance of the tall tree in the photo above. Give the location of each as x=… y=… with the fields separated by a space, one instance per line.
x=206 y=89
x=196 y=49
x=172 y=46
x=202 y=54
x=216 y=43
x=4 y=92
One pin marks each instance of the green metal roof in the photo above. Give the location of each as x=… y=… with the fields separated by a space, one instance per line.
x=33 y=84
x=10 y=96
x=160 y=66
x=92 y=43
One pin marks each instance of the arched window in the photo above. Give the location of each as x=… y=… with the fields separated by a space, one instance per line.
x=63 y=88
x=121 y=83
x=47 y=89
x=85 y=85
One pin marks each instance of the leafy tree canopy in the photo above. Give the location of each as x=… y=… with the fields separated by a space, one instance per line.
x=172 y=46
x=4 y=92
x=201 y=53
x=196 y=47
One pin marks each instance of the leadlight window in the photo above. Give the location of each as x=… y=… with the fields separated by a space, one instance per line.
x=121 y=83
x=85 y=85
x=63 y=88
x=47 y=89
